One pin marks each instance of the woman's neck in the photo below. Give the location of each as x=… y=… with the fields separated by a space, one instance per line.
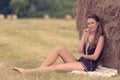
x=91 y=37
x=92 y=34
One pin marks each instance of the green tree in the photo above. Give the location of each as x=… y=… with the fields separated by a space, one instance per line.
x=37 y=8
x=20 y=7
x=4 y=7
x=62 y=7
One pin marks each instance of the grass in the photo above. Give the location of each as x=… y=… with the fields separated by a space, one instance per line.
x=27 y=42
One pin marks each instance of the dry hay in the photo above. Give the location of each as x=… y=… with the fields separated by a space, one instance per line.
x=68 y=17
x=46 y=17
x=2 y=17
x=2 y=64
x=14 y=17
x=9 y=17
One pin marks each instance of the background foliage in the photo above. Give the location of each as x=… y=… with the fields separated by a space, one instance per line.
x=36 y=8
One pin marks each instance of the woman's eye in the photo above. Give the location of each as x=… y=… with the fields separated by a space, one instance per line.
x=92 y=23
x=88 y=24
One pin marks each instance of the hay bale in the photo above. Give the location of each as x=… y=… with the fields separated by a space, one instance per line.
x=2 y=17
x=14 y=17
x=68 y=17
x=9 y=17
x=46 y=17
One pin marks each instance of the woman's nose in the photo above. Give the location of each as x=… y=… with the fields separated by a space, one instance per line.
x=89 y=26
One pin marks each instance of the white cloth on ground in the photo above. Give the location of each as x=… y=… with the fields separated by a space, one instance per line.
x=100 y=71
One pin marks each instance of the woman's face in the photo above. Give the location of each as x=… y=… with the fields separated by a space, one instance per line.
x=92 y=24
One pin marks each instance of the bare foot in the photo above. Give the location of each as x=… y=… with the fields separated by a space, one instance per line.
x=19 y=70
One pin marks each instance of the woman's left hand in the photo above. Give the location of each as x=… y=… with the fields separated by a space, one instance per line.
x=82 y=55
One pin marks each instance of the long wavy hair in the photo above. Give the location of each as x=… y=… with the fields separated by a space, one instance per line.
x=99 y=31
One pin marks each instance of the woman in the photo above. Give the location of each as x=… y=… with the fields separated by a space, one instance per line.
x=90 y=47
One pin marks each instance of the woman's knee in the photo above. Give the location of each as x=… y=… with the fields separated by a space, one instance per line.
x=59 y=48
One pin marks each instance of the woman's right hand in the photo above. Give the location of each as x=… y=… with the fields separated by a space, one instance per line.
x=86 y=32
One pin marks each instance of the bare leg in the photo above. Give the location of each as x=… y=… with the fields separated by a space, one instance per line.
x=61 y=52
x=66 y=56
x=65 y=67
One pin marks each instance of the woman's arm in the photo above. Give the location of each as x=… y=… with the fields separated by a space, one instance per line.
x=98 y=50
x=83 y=40
x=81 y=45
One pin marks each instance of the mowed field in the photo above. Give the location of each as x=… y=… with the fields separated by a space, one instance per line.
x=26 y=43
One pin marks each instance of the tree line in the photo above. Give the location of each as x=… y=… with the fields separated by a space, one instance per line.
x=37 y=8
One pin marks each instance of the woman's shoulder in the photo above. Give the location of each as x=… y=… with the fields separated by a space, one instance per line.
x=101 y=37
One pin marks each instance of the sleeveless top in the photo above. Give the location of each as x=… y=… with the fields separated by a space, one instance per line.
x=90 y=65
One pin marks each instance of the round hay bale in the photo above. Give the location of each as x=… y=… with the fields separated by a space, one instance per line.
x=2 y=17
x=14 y=17
x=9 y=17
x=46 y=17
x=68 y=17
